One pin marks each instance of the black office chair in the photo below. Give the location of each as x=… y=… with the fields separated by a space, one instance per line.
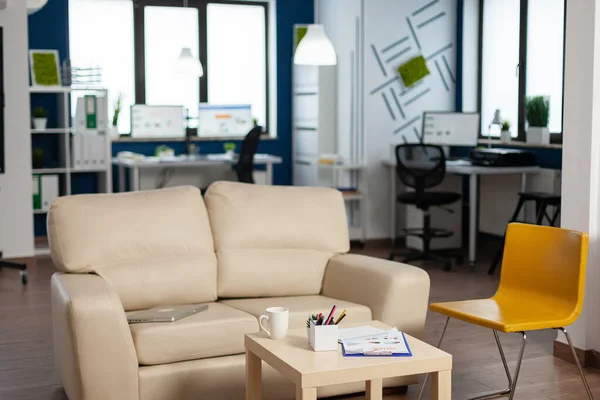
x=421 y=167
x=245 y=165
x=542 y=202
x=22 y=267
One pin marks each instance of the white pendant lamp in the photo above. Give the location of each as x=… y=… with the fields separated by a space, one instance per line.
x=187 y=64
x=35 y=5
x=315 y=48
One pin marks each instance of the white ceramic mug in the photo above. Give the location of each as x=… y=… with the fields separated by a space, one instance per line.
x=279 y=318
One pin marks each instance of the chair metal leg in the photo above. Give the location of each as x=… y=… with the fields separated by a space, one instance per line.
x=519 y=362
x=438 y=346
x=501 y=350
x=585 y=382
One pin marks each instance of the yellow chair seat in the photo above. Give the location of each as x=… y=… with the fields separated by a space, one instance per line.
x=510 y=315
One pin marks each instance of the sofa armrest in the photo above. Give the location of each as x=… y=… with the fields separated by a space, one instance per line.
x=397 y=294
x=93 y=346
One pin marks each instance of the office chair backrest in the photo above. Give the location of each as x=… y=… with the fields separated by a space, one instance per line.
x=420 y=166
x=545 y=263
x=246 y=162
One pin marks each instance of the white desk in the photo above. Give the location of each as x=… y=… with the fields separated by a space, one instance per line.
x=134 y=166
x=473 y=172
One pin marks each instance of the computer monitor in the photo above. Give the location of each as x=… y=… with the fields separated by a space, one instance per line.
x=450 y=128
x=149 y=121
x=224 y=120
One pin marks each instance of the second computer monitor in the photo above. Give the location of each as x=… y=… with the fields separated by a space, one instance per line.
x=450 y=128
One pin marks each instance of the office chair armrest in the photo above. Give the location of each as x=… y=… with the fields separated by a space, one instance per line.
x=397 y=294
x=93 y=347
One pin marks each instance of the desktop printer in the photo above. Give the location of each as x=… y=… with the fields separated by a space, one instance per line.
x=503 y=157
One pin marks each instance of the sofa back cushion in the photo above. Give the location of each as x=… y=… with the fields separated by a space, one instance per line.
x=274 y=240
x=154 y=247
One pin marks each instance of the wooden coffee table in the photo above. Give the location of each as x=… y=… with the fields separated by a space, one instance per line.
x=294 y=358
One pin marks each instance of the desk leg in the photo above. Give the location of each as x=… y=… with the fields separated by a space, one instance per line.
x=473 y=214
x=393 y=206
x=306 y=393
x=441 y=385
x=121 y=178
x=135 y=179
x=253 y=377
x=269 y=174
x=374 y=389
x=525 y=206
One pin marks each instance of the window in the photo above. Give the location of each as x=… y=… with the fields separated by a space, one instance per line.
x=139 y=52
x=230 y=39
x=545 y=53
x=93 y=44
x=500 y=57
x=237 y=57
x=167 y=30
x=522 y=54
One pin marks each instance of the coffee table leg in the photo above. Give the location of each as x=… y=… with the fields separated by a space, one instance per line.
x=374 y=389
x=441 y=385
x=253 y=377
x=306 y=393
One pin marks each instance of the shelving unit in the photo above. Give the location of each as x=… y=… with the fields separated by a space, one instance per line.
x=62 y=133
x=356 y=200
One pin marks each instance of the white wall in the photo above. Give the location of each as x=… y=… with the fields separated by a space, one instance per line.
x=16 y=215
x=385 y=34
x=581 y=153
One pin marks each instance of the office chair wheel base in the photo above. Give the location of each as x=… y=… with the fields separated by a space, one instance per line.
x=448 y=266
x=24 y=277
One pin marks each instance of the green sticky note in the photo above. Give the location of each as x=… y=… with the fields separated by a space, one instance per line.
x=413 y=71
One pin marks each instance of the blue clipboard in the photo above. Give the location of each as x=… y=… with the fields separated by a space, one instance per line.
x=409 y=354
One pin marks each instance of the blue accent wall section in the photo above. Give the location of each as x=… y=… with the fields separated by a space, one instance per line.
x=49 y=29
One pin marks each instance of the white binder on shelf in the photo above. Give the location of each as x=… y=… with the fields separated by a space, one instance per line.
x=102 y=114
x=88 y=151
x=49 y=190
x=99 y=150
x=76 y=151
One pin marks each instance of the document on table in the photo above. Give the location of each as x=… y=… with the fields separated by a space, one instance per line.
x=390 y=343
x=360 y=333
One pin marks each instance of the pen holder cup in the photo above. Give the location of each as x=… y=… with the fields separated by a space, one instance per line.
x=323 y=337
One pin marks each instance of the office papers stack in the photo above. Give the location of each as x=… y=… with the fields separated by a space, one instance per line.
x=385 y=343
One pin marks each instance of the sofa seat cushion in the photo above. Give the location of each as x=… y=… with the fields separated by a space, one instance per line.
x=218 y=331
x=301 y=307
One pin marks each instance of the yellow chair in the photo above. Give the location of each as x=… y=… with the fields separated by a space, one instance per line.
x=541 y=287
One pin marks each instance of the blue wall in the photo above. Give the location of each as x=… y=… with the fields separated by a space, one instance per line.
x=48 y=29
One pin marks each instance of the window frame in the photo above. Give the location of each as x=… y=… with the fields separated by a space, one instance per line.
x=201 y=6
x=555 y=137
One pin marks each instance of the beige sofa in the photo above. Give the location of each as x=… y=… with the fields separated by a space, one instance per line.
x=248 y=248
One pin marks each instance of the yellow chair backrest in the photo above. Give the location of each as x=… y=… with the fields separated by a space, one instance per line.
x=544 y=262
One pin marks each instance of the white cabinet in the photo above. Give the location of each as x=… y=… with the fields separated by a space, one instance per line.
x=314 y=120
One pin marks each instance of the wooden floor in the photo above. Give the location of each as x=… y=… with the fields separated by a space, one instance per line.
x=27 y=371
